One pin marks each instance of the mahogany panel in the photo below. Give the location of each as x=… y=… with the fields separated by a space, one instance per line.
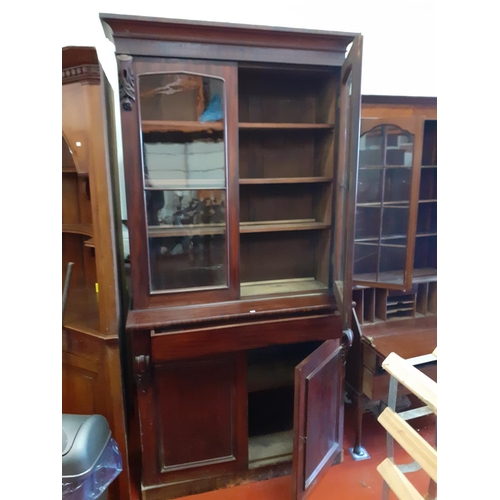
x=318 y=416
x=200 y=342
x=201 y=430
x=80 y=385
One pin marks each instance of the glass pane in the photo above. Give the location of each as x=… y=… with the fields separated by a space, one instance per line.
x=397 y=184
x=187 y=238
x=183 y=261
x=399 y=146
x=371 y=147
x=367 y=223
x=365 y=262
x=392 y=263
x=182 y=119
x=395 y=221
x=203 y=209
x=370 y=186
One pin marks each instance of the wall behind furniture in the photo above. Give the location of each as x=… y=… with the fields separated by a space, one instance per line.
x=399 y=37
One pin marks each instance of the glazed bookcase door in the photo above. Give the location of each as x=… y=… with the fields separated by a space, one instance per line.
x=182 y=201
x=347 y=164
x=387 y=201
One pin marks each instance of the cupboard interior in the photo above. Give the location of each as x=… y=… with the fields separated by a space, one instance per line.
x=270 y=383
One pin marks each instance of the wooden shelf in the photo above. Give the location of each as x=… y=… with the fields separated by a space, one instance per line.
x=419 y=276
x=368 y=167
x=181 y=184
x=292 y=285
x=78 y=229
x=180 y=126
x=386 y=204
x=165 y=230
x=283 y=126
x=284 y=225
x=375 y=240
x=286 y=180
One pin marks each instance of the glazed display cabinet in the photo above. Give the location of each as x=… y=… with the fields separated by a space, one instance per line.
x=92 y=320
x=240 y=148
x=395 y=244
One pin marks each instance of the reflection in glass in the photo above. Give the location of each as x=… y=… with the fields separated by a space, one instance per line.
x=182 y=119
x=174 y=209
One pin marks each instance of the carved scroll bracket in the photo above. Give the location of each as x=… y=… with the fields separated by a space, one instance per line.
x=126 y=81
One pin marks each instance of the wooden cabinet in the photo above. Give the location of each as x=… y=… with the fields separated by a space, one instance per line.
x=92 y=318
x=240 y=149
x=395 y=245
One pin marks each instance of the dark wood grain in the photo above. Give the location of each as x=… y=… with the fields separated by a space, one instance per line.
x=223 y=312
x=318 y=416
x=250 y=335
x=207 y=433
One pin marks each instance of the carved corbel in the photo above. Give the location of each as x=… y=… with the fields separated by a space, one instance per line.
x=126 y=82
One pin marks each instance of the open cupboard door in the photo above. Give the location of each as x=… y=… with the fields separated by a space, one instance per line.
x=319 y=379
x=318 y=416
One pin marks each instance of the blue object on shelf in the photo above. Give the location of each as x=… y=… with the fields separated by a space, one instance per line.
x=213 y=111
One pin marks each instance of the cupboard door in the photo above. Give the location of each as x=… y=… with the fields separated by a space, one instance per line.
x=193 y=419
x=347 y=164
x=390 y=155
x=180 y=159
x=318 y=416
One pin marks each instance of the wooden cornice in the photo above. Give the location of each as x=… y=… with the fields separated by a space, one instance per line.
x=173 y=30
x=80 y=64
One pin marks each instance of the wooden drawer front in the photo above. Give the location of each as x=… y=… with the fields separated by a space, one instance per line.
x=206 y=341
x=376 y=387
x=199 y=409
